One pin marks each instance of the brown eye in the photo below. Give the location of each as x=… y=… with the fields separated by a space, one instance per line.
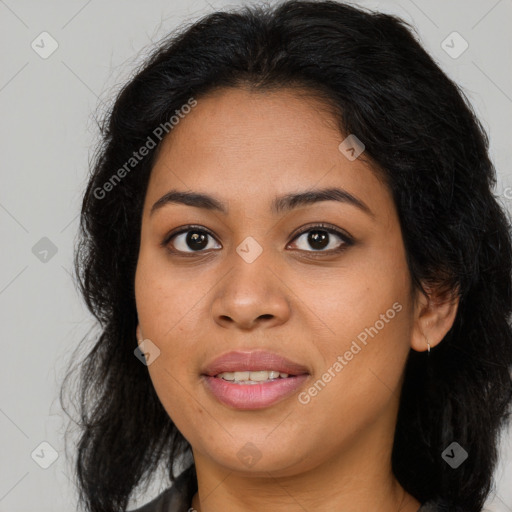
x=322 y=239
x=190 y=241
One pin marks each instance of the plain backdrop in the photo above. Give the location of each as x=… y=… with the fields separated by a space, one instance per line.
x=48 y=105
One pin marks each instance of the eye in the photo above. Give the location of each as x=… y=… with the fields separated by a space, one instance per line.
x=193 y=238
x=322 y=238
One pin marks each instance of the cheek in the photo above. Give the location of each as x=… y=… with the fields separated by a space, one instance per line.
x=164 y=316
x=359 y=380
x=169 y=309
x=358 y=300
x=370 y=320
x=167 y=302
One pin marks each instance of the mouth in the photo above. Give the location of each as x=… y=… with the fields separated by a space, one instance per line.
x=253 y=380
x=252 y=377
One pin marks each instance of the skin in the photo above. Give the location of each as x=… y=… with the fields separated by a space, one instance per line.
x=333 y=453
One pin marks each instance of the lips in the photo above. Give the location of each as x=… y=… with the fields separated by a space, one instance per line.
x=253 y=361
x=256 y=395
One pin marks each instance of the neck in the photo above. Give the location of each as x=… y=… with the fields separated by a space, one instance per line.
x=359 y=478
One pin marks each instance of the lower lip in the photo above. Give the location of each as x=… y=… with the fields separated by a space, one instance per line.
x=253 y=396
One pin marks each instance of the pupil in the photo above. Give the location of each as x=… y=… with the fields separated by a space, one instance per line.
x=318 y=241
x=197 y=240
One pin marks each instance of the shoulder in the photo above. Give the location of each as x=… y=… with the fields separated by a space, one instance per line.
x=162 y=503
x=177 y=498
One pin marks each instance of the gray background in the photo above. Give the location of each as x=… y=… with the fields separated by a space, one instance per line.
x=48 y=108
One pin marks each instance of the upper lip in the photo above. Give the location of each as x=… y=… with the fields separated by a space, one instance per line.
x=253 y=360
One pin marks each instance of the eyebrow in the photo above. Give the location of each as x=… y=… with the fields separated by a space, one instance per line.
x=279 y=204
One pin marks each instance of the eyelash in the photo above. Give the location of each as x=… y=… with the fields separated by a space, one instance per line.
x=347 y=241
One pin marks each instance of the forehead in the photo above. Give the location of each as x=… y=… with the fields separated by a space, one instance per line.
x=240 y=143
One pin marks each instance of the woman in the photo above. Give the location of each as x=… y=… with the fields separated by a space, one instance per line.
x=302 y=276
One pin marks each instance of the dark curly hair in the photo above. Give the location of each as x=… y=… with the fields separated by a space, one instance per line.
x=422 y=138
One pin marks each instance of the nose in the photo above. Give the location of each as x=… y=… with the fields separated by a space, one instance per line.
x=251 y=295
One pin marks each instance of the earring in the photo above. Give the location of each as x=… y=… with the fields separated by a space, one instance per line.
x=428 y=345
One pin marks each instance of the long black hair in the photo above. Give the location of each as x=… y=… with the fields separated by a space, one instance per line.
x=423 y=139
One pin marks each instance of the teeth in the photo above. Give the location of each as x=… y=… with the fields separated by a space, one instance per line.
x=258 y=376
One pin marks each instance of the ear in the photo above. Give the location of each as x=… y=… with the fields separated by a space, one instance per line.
x=434 y=315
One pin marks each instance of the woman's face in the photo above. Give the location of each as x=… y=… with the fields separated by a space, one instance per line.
x=255 y=279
